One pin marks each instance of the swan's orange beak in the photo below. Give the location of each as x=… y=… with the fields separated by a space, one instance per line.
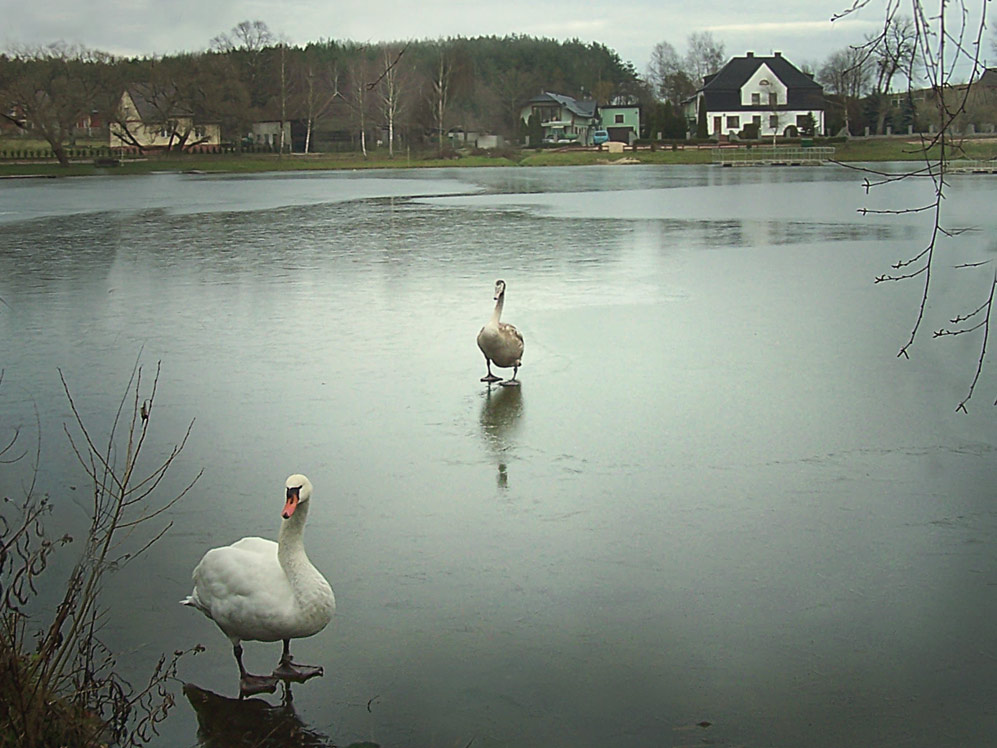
x=292 y=502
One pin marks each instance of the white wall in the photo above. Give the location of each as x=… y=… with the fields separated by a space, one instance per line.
x=764 y=83
x=787 y=117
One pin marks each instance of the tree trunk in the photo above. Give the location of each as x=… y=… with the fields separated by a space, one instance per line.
x=881 y=114
x=60 y=154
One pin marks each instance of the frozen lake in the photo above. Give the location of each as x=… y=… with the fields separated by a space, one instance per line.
x=718 y=495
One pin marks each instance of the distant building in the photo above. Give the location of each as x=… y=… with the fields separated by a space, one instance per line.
x=621 y=121
x=564 y=120
x=147 y=120
x=769 y=92
x=268 y=134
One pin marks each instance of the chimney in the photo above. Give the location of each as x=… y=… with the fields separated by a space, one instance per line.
x=777 y=54
x=751 y=54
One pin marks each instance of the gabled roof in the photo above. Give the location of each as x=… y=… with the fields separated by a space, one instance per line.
x=723 y=89
x=578 y=108
x=989 y=78
x=150 y=104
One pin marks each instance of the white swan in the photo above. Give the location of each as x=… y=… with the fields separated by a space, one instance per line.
x=259 y=590
x=501 y=343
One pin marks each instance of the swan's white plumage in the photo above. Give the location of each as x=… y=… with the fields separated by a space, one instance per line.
x=256 y=589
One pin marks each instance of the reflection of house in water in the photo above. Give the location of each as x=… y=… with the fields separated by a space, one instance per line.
x=223 y=722
x=500 y=414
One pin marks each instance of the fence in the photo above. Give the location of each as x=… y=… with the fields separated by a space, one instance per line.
x=90 y=153
x=46 y=154
x=772 y=156
x=979 y=166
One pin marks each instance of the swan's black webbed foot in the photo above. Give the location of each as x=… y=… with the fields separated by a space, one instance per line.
x=250 y=685
x=510 y=383
x=288 y=669
x=490 y=378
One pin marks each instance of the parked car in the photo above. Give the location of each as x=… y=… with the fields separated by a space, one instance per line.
x=600 y=136
x=560 y=139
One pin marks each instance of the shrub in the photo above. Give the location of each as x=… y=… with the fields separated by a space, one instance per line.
x=749 y=131
x=58 y=682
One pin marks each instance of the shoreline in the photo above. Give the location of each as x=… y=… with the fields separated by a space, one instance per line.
x=855 y=150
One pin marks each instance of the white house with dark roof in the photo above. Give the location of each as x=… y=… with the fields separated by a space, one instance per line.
x=768 y=91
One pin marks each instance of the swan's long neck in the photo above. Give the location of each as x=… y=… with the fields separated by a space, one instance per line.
x=291 y=543
x=312 y=593
x=497 y=314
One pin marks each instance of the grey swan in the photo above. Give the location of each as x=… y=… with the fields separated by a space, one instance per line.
x=500 y=342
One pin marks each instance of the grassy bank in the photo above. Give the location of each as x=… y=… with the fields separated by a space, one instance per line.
x=873 y=149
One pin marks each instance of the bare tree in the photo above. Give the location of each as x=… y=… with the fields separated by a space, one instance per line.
x=393 y=86
x=58 y=681
x=448 y=77
x=283 y=97
x=668 y=75
x=177 y=94
x=55 y=88
x=249 y=40
x=704 y=56
x=945 y=40
x=892 y=53
x=511 y=88
x=251 y=36
x=319 y=87
x=846 y=74
x=440 y=81
x=362 y=74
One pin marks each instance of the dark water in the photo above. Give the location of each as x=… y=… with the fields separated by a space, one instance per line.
x=718 y=495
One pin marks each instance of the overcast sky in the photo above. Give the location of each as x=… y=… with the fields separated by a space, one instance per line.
x=802 y=31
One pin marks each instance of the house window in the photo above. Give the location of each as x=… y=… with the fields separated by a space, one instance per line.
x=733 y=123
x=619 y=119
x=774 y=121
x=544 y=113
x=773 y=99
x=757 y=120
x=801 y=120
x=756 y=99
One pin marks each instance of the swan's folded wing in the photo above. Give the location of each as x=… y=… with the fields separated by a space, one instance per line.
x=242 y=588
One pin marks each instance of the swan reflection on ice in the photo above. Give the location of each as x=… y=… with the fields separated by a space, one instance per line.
x=500 y=416
x=223 y=722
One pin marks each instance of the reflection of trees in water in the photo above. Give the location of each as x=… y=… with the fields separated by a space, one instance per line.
x=500 y=414
x=223 y=722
